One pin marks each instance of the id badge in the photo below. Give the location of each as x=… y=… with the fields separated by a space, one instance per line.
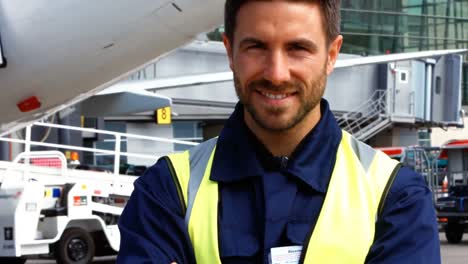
x=285 y=255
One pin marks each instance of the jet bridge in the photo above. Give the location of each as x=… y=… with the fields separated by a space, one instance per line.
x=413 y=93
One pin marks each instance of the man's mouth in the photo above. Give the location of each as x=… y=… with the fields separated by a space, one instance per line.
x=275 y=96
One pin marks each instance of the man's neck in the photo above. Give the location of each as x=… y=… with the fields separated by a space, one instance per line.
x=283 y=143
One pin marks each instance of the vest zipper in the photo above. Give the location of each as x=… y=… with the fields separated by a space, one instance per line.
x=390 y=181
x=309 y=236
x=177 y=184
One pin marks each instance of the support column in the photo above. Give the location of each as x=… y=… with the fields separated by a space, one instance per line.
x=4 y=151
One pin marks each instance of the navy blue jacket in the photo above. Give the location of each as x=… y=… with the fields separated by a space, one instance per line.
x=268 y=201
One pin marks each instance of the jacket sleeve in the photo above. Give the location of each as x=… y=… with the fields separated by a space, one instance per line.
x=407 y=230
x=152 y=225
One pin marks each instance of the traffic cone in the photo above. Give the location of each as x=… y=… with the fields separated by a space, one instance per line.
x=445 y=186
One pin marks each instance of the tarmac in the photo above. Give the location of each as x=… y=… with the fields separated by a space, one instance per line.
x=451 y=254
x=454 y=254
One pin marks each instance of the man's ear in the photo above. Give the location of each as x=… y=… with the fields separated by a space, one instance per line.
x=228 y=46
x=333 y=52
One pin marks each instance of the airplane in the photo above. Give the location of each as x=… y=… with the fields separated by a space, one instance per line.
x=58 y=53
x=55 y=54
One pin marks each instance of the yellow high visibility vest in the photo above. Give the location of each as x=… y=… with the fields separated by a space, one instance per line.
x=345 y=229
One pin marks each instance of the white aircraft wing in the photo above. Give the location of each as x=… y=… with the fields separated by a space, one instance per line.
x=199 y=79
x=123 y=103
x=396 y=57
x=166 y=83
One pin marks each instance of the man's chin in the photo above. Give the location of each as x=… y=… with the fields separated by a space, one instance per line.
x=275 y=125
x=274 y=120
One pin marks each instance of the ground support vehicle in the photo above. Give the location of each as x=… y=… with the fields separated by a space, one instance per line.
x=452 y=213
x=48 y=209
x=452 y=210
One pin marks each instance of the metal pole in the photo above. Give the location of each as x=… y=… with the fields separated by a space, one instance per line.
x=117 y=155
x=429 y=89
x=447 y=14
x=27 y=146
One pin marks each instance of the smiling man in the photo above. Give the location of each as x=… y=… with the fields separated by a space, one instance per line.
x=282 y=181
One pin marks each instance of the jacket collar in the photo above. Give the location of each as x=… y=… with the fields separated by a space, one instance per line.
x=240 y=155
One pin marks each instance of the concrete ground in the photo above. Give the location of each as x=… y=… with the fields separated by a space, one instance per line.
x=451 y=254
x=454 y=254
x=99 y=260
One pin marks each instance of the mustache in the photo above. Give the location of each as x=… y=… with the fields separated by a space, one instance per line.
x=266 y=84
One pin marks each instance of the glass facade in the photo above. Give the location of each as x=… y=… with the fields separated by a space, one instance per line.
x=372 y=27
x=378 y=26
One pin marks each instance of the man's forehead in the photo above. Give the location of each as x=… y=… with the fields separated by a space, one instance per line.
x=258 y=19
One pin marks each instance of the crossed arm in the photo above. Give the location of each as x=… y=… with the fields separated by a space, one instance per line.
x=152 y=226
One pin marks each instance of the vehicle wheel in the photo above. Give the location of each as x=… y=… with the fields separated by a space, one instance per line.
x=12 y=260
x=454 y=233
x=76 y=246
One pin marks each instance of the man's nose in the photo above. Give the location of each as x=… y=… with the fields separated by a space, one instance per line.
x=277 y=68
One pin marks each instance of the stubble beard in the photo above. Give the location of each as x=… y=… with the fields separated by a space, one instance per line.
x=315 y=90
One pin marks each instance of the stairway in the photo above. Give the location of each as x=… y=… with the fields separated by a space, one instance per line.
x=368 y=119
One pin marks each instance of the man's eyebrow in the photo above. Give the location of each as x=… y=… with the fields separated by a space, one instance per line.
x=306 y=43
x=249 y=41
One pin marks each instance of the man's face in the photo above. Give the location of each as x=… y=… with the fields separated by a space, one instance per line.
x=280 y=59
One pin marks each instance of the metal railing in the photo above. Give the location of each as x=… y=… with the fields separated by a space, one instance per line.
x=117 y=138
x=368 y=118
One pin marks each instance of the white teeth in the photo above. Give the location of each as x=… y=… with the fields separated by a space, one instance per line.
x=273 y=96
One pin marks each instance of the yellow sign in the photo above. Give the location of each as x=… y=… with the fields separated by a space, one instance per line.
x=163 y=116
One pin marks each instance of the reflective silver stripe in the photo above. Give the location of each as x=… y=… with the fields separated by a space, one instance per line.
x=364 y=152
x=199 y=157
x=365 y=155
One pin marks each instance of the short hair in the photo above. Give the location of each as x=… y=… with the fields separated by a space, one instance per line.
x=331 y=16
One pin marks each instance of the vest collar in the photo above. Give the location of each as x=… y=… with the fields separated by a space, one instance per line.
x=240 y=155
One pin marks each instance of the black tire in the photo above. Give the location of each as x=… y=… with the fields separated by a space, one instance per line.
x=454 y=233
x=12 y=260
x=102 y=245
x=76 y=246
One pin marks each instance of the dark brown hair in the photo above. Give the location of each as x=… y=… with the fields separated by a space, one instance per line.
x=331 y=17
